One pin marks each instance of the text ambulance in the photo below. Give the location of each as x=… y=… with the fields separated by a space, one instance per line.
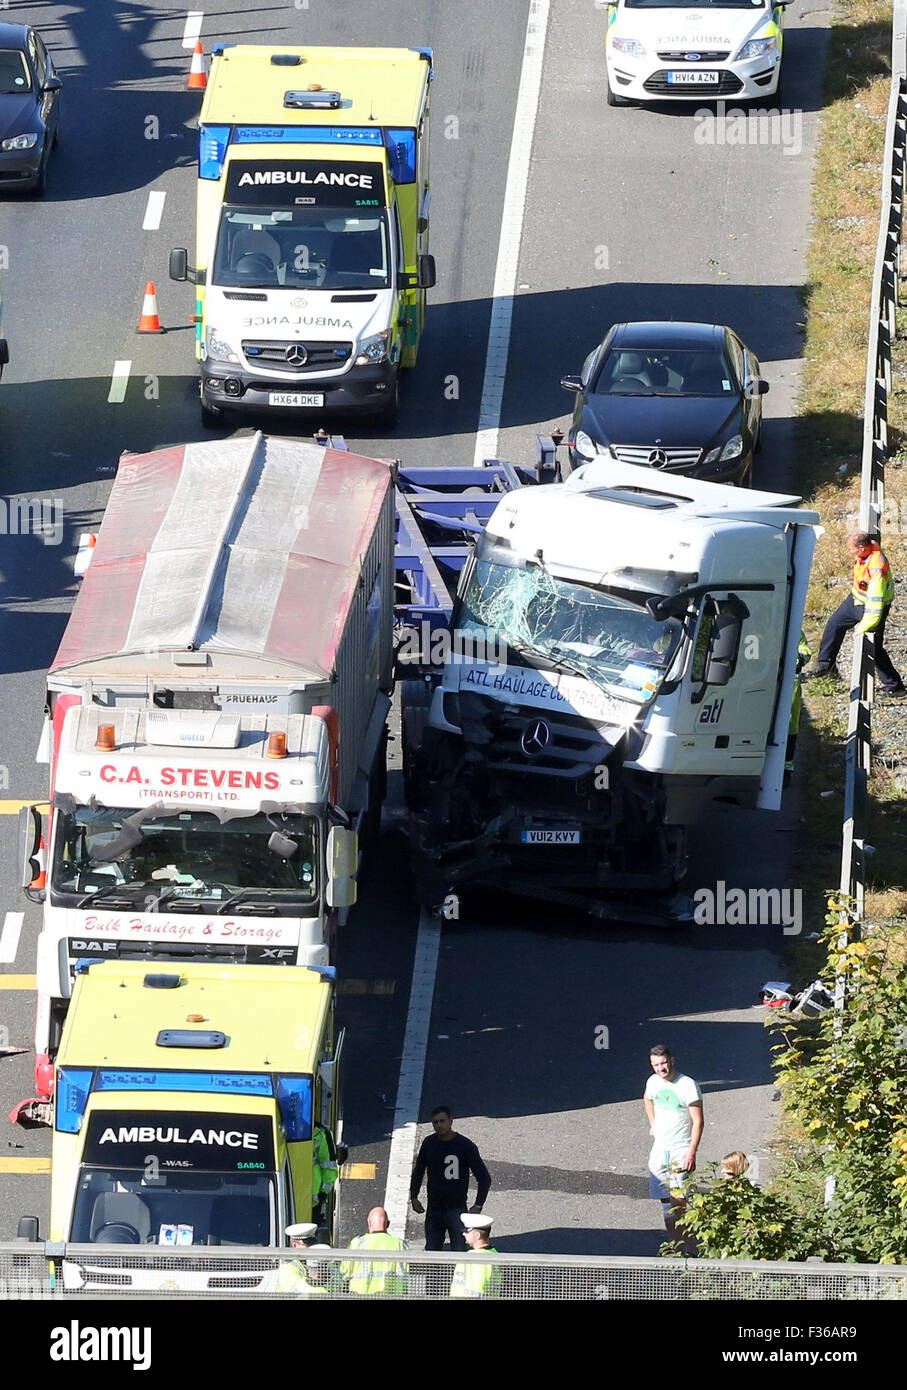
x=312 y=228
x=189 y=1107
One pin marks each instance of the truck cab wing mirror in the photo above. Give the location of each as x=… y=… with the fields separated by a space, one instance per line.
x=342 y=866
x=724 y=642
x=30 y=830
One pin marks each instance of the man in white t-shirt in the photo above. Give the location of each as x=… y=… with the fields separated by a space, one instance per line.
x=673 y=1105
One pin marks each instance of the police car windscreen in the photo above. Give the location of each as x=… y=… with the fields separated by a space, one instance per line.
x=176 y=1178
x=191 y=860
x=302 y=248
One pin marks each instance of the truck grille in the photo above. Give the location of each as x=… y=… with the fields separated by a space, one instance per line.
x=574 y=748
x=320 y=356
x=651 y=456
x=728 y=85
x=702 y=55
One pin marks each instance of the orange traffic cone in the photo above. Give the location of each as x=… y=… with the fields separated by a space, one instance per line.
x=39 y=882
x=198 y=78
x=149 y=321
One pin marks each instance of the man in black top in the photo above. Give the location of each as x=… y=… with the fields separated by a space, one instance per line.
x=448 y=1158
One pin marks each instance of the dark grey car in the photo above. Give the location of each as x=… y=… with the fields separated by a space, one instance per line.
x=683 y=397
x=29 y=108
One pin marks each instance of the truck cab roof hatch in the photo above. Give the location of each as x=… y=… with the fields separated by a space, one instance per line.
x=191 y=1037
x=312 y=101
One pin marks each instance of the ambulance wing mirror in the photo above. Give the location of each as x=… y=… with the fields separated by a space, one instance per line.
x=30 y=827
x=179 y=263
x=424 y=277
x=342 y=862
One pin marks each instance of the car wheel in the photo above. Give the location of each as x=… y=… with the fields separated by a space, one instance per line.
x=612 y=98
x=39 y=188
x=386 y=419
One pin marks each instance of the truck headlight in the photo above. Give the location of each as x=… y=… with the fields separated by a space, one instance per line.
x=756 y=47
x=216 y=346
x=373 y=349
x=586 y=447
x=632 y=47
x=20 y=142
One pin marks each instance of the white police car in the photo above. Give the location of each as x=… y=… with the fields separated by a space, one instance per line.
x=681 y=50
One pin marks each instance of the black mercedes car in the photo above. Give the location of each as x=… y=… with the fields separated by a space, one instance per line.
x=682 y=397
x=29 y=108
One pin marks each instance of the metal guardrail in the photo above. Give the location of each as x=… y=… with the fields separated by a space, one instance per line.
x=882 y=332
x=73 y=1273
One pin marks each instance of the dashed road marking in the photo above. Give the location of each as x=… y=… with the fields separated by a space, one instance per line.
x=118 y=382
x=366 y=986
x=12 y=808
x=9 y=937
x=192 y=31
x=18 y=981
x=154 y=211
x=364 y=1172
x=24 y=1165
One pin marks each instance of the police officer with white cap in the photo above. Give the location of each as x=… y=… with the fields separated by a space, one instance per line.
x=477 y=1279
x=294 y=1276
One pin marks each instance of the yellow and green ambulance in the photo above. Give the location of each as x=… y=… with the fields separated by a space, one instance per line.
x=312 y=229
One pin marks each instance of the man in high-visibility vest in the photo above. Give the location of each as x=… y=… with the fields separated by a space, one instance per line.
x=373 y=1278
x=866 y=610
x=804 y=652
x=476 y=1278
x=325 y=1170
x=295 y=1276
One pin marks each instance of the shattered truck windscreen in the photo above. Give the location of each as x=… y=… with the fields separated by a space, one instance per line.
x=593 y=632
x=188 y=859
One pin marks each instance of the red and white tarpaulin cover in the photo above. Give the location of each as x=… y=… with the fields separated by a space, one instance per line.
x=246 y=549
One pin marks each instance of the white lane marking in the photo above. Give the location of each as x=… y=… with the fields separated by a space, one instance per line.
x=511 y=233
x=193 y=29
x=412 y=1072
x=154 y=211
x=118 y=382
x=9 y=937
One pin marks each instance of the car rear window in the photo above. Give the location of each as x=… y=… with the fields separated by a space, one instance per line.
x=14 y=74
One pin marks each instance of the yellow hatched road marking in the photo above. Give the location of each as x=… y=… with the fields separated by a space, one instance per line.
x=364 y=1171
x=18 y=981
x=24 y=1165
x=366 y=986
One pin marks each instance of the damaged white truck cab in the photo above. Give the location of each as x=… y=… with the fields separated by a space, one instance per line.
x=637 y=640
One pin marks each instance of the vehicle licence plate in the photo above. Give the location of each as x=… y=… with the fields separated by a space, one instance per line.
x=295 y=398
x=552 y=837
x=705 y=79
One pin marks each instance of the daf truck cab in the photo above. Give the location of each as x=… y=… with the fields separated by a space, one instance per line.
x=312 y=231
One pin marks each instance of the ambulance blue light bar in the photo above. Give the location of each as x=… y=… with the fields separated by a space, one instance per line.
x=212 y=149
x=294 y=1098
x=306 y=135
x=401 y=147
x=72 y=1088
x=225 y=1083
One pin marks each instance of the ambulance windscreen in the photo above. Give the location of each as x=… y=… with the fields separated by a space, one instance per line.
x=302 y=248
